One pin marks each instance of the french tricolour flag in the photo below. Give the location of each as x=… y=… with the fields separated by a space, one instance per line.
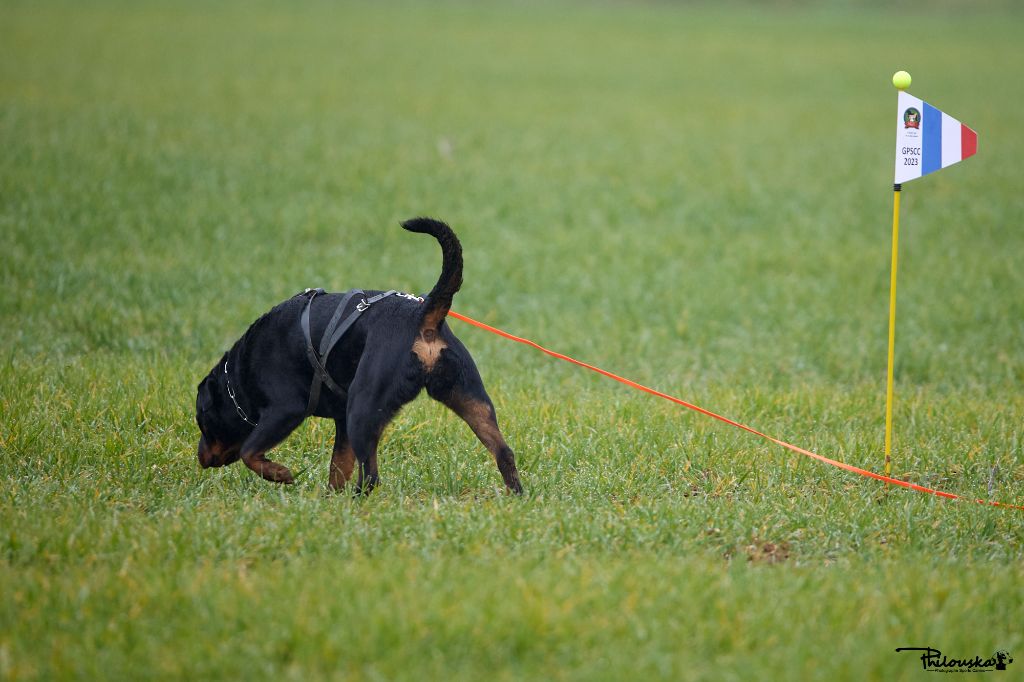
x=927 y=139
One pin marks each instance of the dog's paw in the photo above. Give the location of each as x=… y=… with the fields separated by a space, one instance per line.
x=277 y=473
x=283 y=475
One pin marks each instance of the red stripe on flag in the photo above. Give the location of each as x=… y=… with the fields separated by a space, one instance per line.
x=968 y=142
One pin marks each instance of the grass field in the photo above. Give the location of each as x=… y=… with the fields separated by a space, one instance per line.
x=697 y=198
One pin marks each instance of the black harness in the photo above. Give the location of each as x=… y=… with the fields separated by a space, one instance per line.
x=335 y=329
x=333 y=333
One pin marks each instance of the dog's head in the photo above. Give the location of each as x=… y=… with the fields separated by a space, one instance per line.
x=220 y=440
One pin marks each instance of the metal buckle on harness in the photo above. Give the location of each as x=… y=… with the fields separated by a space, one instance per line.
x=362 y=305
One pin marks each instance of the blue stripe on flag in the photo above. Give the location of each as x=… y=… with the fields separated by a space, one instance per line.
x=931 y=145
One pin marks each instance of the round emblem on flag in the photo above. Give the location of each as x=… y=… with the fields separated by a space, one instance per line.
x=911 y=118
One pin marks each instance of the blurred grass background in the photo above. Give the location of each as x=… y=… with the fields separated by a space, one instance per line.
x=697 y=197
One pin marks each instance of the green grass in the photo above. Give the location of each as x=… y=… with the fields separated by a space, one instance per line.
x=696 y=198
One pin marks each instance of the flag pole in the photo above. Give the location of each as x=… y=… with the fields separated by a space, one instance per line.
x=892 y=326
x=927 y=140
x=901 y=81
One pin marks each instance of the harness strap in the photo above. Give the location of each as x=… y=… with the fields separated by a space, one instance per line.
x=324 y=340
x=320 y=374
x=332 y=334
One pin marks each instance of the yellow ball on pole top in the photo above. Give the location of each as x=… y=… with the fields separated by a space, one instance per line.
x=901 y=79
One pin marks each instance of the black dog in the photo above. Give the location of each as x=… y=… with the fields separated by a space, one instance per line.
x=389 y=347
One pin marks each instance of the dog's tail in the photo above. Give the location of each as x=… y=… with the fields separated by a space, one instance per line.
x=439 y=300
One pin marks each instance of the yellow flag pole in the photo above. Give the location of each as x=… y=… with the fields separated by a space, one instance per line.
x=892 y=327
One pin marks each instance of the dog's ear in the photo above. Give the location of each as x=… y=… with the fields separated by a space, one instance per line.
x=204 y=397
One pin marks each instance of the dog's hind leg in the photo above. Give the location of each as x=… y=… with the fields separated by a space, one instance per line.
x=273 y=428
x=478 y=412
x=364 y=431
x=343 y=459
x=375 y=396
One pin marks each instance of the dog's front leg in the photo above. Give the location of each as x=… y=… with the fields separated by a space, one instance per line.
x=273 y=428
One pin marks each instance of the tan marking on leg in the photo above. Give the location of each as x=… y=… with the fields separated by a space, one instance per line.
x=478 y=415
x=481 y=419
x=271 y=471
x=428 y=347
x=343 y=463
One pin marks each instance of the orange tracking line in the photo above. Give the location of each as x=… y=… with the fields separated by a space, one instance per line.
x=709 y=413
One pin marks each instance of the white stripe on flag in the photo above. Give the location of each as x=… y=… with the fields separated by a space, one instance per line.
x=908 y=137
x=950 y=140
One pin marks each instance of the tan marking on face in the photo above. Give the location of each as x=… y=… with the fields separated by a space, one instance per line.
x=213 y=454
x=428 y=347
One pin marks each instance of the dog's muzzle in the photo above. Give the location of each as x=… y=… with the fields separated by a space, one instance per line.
x=215 y=454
